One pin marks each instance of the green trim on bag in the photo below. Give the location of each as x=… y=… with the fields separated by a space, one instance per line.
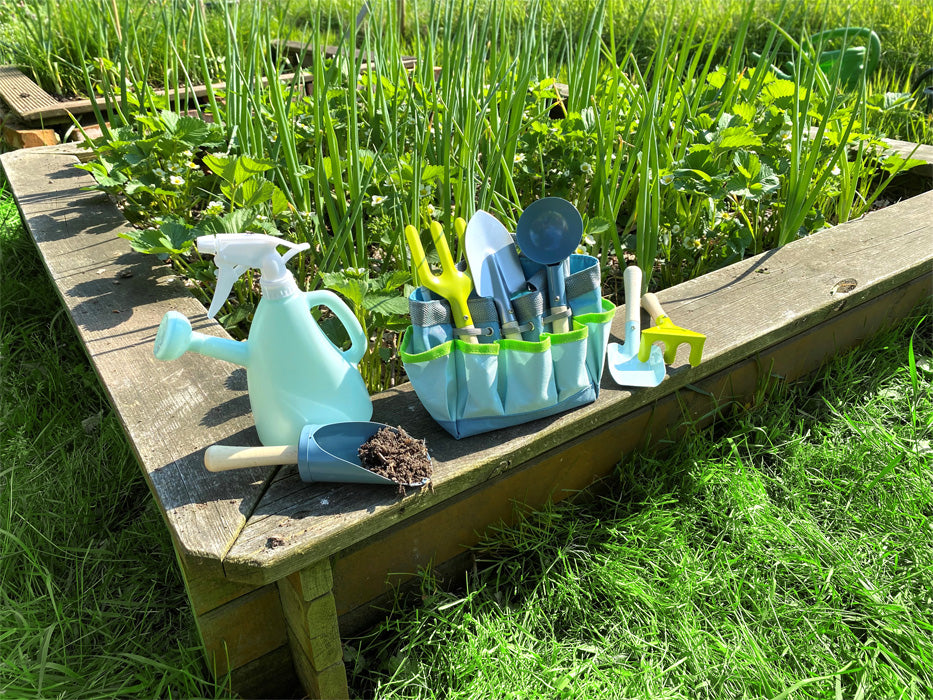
x=580 y=332
x=603 y=316
x=476 y=348
x=525 y=345
x=427 y=355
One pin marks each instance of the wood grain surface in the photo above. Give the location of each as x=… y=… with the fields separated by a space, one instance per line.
x=171 y=411
x=22 y=94
x=742 y=309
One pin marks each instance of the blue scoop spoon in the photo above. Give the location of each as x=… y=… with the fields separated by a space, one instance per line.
x=323 y=453
x=548 y=232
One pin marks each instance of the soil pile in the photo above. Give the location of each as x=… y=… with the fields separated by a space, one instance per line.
x=396 y=455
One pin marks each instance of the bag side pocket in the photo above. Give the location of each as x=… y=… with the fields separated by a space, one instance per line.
x=569 y=354
x=477 y=380
x=526 y=375
x=598 y=325
x=433 y=375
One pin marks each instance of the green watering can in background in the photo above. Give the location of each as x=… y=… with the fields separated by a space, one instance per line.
x=850 y=61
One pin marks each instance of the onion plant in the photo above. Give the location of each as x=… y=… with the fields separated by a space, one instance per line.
x=672 y=159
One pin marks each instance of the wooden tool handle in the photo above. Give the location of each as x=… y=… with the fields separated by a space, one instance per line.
x=631 y=278
x=560 y=325
x=651 y=304
x=221 y=458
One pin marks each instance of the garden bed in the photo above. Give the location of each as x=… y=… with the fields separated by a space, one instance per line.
x=271 y=564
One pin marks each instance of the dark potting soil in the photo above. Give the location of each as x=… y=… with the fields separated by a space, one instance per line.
x=396 y=455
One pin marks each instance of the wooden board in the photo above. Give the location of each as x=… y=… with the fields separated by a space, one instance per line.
x=743 y=309
x=22 y=94
x=36 y=108
x=364 y=572
x=170 y=411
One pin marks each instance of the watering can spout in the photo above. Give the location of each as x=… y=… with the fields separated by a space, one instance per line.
x=175 y=337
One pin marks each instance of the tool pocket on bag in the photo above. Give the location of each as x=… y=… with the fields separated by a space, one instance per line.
x=435 y=368
x=526 y=375
x=598 y=327
x=568 y=353
x=477 y=380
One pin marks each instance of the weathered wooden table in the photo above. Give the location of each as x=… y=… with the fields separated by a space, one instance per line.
x=275 y=569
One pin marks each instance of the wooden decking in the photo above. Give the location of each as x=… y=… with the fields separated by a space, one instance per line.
x=270 y=562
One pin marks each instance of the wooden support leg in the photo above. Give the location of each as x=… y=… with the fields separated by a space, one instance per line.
x=311 y=621
x=242 y=631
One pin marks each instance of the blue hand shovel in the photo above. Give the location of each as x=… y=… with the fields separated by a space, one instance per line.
x=624 y=365
x=548 y=231
x=323 y=453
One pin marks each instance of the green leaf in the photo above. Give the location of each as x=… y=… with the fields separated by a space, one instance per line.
x=385 y=304
x=236 y=221
x=173 y=237
x=354 y=289
x=250 y=193
x=280 y=202
x=598 y=227
x=177 y=235
x=737 y=137
x=745 y=111
x=390 y=281
x=146 y=241
x=432 y=172
x=191 y=132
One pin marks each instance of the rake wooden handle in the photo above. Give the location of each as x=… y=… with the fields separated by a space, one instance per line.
x=222 y=458
x=651 y=304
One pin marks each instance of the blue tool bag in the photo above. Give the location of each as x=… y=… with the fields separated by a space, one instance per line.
x=474 y=388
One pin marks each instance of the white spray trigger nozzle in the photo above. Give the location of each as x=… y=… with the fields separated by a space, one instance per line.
x=295 y=248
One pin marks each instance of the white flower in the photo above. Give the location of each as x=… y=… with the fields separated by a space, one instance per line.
x=432 y=211
x=192 y=165
x=589 y=240
x=215 y=206
x=697 y=243
x=586 y=168
x=667 y=179
x=187 y=153
x=158 y=172
x=177 y=180
x=519 y=158
x=424 y=190
x=835 y=170
x=378 y=199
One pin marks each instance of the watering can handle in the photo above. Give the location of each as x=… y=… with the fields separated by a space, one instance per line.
x=874 y=43
x=324 y=297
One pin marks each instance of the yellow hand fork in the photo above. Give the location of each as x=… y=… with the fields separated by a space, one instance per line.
x=451 y=284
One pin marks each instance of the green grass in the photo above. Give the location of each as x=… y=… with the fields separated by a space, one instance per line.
x=788 y=547
x=91 y=603
x=785 y=552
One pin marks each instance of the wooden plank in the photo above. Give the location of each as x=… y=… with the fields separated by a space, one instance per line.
x=170 y=411
x=363 y=573
x=272 y=675
x=34 y=107
x=243 y=630
x=742 y=309
x=206 y=589
x=22 y=94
